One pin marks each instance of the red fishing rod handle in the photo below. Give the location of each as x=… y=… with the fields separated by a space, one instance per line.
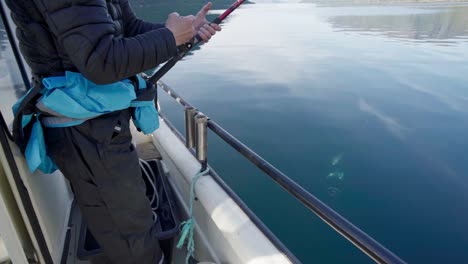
x=217 y=20
x=228 y=11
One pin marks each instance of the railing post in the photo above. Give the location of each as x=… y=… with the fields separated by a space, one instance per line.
x=201 y=122
x=190 y=113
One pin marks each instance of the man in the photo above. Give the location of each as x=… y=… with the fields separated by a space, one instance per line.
x=105 y=42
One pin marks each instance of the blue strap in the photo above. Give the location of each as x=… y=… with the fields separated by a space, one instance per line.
x=141 y=82
x=61 y=121
x=26 y=119
x=36 y=154
x=141 y=103
x=54 y=82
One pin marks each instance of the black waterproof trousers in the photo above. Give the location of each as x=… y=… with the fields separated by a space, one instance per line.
x=102 y=165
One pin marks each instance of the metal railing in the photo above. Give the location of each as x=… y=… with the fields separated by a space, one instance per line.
x=195 y=128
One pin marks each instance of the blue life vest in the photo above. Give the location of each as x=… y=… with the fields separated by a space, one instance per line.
x=72 y=99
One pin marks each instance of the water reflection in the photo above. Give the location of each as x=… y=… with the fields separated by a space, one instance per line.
x=391 y=123
x=378 y=83
x=442 y=25
x=246 y=46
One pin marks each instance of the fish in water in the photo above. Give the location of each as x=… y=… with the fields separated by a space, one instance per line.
x=333 y=191
x=335 y=183
x=336 y=174
x=337 y=159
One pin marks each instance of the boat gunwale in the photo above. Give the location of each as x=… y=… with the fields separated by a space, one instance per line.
x=242 y=205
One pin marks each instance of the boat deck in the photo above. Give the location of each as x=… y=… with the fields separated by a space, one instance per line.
x=148 y=151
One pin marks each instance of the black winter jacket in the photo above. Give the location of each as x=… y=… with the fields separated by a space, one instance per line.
x=102 y=39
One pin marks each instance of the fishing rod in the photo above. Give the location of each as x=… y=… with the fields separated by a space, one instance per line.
x=184 y=49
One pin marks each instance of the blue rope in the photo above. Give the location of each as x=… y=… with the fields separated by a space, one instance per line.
x=189 y=225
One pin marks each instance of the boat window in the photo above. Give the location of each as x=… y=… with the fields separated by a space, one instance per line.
x=11 y=84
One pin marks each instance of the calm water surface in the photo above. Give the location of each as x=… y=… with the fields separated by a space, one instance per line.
x=364 y=106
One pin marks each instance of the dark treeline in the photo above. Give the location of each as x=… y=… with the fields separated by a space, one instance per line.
x=157 y=10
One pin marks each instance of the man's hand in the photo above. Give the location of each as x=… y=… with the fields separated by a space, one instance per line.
x=204 y=29
x=182 y=27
